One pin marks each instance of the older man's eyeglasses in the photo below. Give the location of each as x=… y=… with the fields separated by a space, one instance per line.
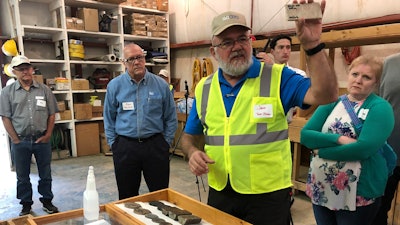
x=139 y=58
x=227 y=44
x=21 y=69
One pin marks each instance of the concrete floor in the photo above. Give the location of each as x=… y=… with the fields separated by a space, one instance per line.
x=69 y=181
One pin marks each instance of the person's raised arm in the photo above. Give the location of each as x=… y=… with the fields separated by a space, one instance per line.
x=324 y=86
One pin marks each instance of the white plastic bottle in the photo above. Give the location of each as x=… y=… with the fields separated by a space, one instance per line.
x=91 y=198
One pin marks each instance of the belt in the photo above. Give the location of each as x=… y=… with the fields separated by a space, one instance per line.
x=30 y=136
x=140 y=140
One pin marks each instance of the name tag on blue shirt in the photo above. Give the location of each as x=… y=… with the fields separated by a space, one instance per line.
x=128 y=106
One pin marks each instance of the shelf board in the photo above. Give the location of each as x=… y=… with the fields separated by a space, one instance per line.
x=129 y=37
x=40 y=32
x=92 y=34
x=46 y=61
x=90 y=4
x=60 y=92
x=39 y=1
x=94 y=62
x=63 y=121
x=92 y=119
x=89 y=91
x=41 y=29
x=130 y=9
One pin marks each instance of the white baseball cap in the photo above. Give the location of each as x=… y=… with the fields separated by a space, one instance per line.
x=19 y=60
x=164 y=73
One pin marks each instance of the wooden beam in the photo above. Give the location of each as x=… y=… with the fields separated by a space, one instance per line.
x=380 y=34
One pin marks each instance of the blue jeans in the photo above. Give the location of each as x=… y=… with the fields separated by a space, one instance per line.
x=23 y=154
x=363 y=215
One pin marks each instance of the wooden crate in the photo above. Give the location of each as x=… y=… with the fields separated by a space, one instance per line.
x=68 y=217
x=113 y=214
x=206 y=212
x=22 y=220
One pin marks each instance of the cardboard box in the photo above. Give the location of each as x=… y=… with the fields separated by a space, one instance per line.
x=127 y=3
x=82 y=111
x=113 y=1
x=69 y=23
x=38 y=78
x=162 y=5
x=64 y=115
x=73 y=23
x=61 y=105
x=90 y=18
x=61 y=84
x=79 y=24
x=114 y=26
x=79 y=84
x=87 y=138
x=101 y=126
x=104 y=147
x=97 y=111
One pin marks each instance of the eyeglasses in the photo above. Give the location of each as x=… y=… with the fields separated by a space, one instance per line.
x=21 y=69
x=244 y=40
x=134 y=58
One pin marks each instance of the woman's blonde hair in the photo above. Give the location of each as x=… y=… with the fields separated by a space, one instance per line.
x=374 y=62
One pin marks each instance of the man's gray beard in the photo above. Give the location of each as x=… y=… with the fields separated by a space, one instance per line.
x=232 y=69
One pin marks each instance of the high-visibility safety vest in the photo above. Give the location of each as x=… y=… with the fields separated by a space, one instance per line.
x=251 y=147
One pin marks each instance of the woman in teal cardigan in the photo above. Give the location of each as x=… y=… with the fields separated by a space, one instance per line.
x=347 y=175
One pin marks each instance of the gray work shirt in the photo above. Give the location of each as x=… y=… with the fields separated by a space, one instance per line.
x=28 y=110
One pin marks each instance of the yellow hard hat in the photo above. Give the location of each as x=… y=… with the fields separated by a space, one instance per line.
x=9 y=48
x=8 y=70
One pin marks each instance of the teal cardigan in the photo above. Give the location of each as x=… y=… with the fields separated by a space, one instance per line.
x=377 y=127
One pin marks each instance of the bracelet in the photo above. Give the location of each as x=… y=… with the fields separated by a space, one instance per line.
x=315 y=50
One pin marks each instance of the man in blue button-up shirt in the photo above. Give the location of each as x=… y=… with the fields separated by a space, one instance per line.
x=140 y=123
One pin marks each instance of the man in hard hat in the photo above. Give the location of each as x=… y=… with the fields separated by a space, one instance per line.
x=28 y=111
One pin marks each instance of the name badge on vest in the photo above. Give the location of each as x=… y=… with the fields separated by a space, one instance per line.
x=263 y=111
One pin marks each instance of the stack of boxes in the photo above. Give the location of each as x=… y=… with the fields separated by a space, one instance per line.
x=161 y=27
x=139 y=22
x=63 y=113
x=161 y=5
x=149 y=25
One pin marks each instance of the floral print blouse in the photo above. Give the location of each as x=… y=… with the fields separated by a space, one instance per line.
x=333 y=184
